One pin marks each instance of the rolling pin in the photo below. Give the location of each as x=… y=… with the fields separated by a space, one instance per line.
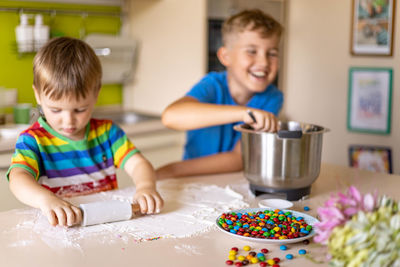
x=107 y=211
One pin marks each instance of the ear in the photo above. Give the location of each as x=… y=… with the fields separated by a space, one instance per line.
x=37 y=95
x=223 y=56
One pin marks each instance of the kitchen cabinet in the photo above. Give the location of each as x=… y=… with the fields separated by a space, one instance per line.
x=171 y=52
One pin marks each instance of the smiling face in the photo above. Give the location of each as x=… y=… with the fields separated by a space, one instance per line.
x=252 y=62
x=68 y=116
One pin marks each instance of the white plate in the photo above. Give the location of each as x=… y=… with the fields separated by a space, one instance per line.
x=307 y=218
x=275 y=203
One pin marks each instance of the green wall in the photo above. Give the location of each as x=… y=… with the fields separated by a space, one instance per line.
x=16 y=69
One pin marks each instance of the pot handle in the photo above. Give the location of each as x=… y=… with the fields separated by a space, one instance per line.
x=290 y=134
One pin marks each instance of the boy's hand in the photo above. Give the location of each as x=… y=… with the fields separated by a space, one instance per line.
x=60 y=212
x=263 y=121
x=149 y=200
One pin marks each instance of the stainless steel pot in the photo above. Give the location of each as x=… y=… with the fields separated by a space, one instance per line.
x=286 y=161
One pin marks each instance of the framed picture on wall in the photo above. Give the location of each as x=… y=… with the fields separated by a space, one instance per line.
x=372 y=158
x=369 y=100
x=372 y=27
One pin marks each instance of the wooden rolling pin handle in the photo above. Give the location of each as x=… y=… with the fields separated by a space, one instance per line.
x=135 y=208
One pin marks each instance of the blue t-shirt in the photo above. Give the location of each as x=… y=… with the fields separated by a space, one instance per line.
x=213 y=89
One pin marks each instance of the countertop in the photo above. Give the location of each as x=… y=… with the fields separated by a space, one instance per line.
x=9 y=132
x=206 y=249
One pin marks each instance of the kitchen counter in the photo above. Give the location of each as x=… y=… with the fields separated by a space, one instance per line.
x=206 y=249
x=9 y=133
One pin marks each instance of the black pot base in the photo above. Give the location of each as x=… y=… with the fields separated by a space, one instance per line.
x=288 y=194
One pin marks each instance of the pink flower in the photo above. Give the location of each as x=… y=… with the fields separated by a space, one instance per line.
x=339 y=209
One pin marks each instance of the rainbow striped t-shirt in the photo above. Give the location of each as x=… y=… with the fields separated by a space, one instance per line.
x=68 y=167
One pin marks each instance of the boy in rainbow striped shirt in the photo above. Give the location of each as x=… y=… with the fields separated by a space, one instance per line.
x=66 y=152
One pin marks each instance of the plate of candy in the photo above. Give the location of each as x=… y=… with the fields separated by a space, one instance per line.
x=267 y=226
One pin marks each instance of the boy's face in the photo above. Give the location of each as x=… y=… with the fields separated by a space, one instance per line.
x=252 y=61
x=68 y=116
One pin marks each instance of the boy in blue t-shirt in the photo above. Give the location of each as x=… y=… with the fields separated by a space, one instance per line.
x=220 y=100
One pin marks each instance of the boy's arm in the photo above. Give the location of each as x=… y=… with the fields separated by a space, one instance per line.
x=144 y=177
x=27 y=190
x=218 y=163
x=188 y=113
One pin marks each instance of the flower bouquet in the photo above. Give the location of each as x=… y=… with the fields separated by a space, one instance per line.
x=360 y=230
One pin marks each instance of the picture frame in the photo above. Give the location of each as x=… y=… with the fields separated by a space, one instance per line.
x=369 y=100
x=372 y=27
x=372 y=158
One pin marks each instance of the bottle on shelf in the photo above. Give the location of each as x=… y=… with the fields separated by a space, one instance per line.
x=24 y=35
x=41 y=32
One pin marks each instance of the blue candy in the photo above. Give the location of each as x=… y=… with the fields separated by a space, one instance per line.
x=289 y=256
x=283 y=247
x=306 y=208
x=302 y=251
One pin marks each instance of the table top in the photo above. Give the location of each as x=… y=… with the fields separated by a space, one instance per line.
x=210 y=248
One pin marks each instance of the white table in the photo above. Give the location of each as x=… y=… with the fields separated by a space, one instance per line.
x=208 y=249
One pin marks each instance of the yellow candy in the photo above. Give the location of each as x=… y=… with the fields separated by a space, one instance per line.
x=277 y=229
x=270 y=262
x=283 y=237
x=254 y=260
x=246 y=248
x=232 y=257
x=258 y=228
x=241 y=258
x=232 y=252
x=293 y=230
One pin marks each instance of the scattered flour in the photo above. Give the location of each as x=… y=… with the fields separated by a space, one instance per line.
x=189 y=209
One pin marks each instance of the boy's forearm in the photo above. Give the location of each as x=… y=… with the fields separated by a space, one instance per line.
x=187 y=114
x=26 y=189
x=219 y=163
x=141 y=172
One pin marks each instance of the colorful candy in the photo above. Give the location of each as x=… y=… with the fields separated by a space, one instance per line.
x=289 y=256
x=252 y=257
x=302 y=252
x=265 y=224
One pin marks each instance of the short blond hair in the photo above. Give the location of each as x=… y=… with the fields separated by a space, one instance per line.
x=66 y=67
x=253 y=20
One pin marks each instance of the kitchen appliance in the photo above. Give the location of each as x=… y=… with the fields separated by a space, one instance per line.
x=285 y=163
x=117 y=55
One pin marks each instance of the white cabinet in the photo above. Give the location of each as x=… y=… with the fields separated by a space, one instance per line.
x=171 y=53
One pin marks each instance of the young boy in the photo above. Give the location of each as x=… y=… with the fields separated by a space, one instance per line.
x=220 y=100
x=66 y=152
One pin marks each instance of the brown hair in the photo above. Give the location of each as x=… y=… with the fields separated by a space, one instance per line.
x=66 y=67
x=253 y=20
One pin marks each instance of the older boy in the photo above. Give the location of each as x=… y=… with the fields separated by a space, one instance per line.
x=66 y=153
x=220 y=100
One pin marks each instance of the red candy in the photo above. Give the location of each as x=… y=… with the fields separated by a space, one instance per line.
x=229 y=262
x=235 y=249
x=275 y=265
x=264 y=250
x=263 y=264
x=238 y=264
x=276 y=260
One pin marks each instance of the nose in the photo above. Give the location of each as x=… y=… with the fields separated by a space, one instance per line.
x=69 y=118
x=263 y=60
